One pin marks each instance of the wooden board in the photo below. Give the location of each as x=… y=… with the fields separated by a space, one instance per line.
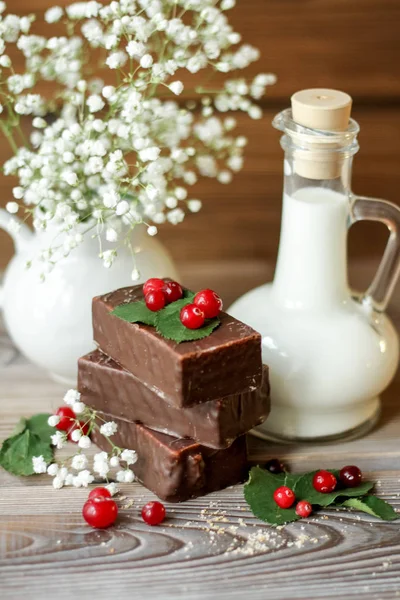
x=312 y=43
x=208 y=548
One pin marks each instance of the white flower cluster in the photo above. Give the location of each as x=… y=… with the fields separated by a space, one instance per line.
x=75 y=471
x=124 y=154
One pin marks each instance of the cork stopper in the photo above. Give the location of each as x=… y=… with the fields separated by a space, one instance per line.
x=322 y=109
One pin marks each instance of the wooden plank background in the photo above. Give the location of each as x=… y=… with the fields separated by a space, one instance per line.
x=346 y=44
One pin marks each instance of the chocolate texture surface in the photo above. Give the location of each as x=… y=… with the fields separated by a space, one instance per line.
x=177 y=469
x=225 y=363
x=106 y=386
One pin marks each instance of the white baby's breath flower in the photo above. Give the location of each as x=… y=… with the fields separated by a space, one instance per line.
x=58 y=482
x=146 y=61
x=78 y=407
x=95 y=103
x=135 y=49
x=71 y=397
x=122 y=208
x=58 y=439
x=176 y=87
x=39 y=464
x=129 y=476
x=135 y=275
x=76 y=435
x=111 y=235
x=112 y=488
x=108 y=91
x=194 y=205
x=108 y=429
x=116 y=60
x=79 y=462
x=114 y=461
x=52 y=469
x=12 y=207
x=53 y=421
x=70 y=177
x=84 y=442
x=152 y=230
x=83 y=479
x=54 y=14
x=5 y=61
x=149 y=154
x=129 y=456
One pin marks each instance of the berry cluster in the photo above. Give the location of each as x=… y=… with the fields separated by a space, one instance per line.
x=101 y=511
x=324 y=482
x=69 y=423
x=206 y=303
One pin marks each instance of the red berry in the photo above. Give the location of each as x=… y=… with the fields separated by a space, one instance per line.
x=274 y=466
x=84 y=427
x=67 y=417
x=153 y=284
x=153 y=513
x=324 y=482
x=155 y=300
x=284 y=497
x=303 y=509
x=173 y=291
x=209 y=302
x=350 y=476
x=100 y=512
x=192 y=317
x=99 y=492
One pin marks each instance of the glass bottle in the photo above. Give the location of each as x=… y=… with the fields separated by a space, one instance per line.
x=330 y=353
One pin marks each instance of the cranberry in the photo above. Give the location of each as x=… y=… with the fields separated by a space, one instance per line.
x=324 y=482
x=173 y=292
x=153 y=284
x=153 y=513
x=350 y=476
x=84 y=427
x=209 y=302
x=67 y=417
x=284 y=496
x=192 y=317
x=155 y=300
x=99 y=492
x=274 y=466
x=100 y=512
x=303 y=509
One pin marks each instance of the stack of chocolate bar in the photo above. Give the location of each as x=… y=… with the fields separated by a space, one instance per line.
x=184 y=408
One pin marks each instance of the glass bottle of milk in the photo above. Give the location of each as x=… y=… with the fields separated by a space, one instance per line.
x=330 y=353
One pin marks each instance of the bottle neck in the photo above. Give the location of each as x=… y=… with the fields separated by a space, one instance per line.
x=311 y=271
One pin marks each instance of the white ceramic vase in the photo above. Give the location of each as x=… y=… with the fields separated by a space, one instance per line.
x=50 y=321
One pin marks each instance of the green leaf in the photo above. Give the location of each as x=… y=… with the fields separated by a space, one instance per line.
x=39 y=426
x=17 y=452
x=304 y=490
x=20 y=427
x=188 y=295
x=259 y=490
x=373 y=506
x=169 y=324
x=135 y=312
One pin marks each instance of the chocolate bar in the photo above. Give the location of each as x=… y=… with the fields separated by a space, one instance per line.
x=177 y=469
x=225 y=363
x=106 y=386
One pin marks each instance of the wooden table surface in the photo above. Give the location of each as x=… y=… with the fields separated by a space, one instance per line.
x=208 y=548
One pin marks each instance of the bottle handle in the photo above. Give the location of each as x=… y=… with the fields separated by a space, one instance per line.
x=373 y=209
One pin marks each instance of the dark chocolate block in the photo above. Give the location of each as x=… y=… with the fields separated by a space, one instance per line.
x=177 y=469
x=225 y=363
x=106 y=386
